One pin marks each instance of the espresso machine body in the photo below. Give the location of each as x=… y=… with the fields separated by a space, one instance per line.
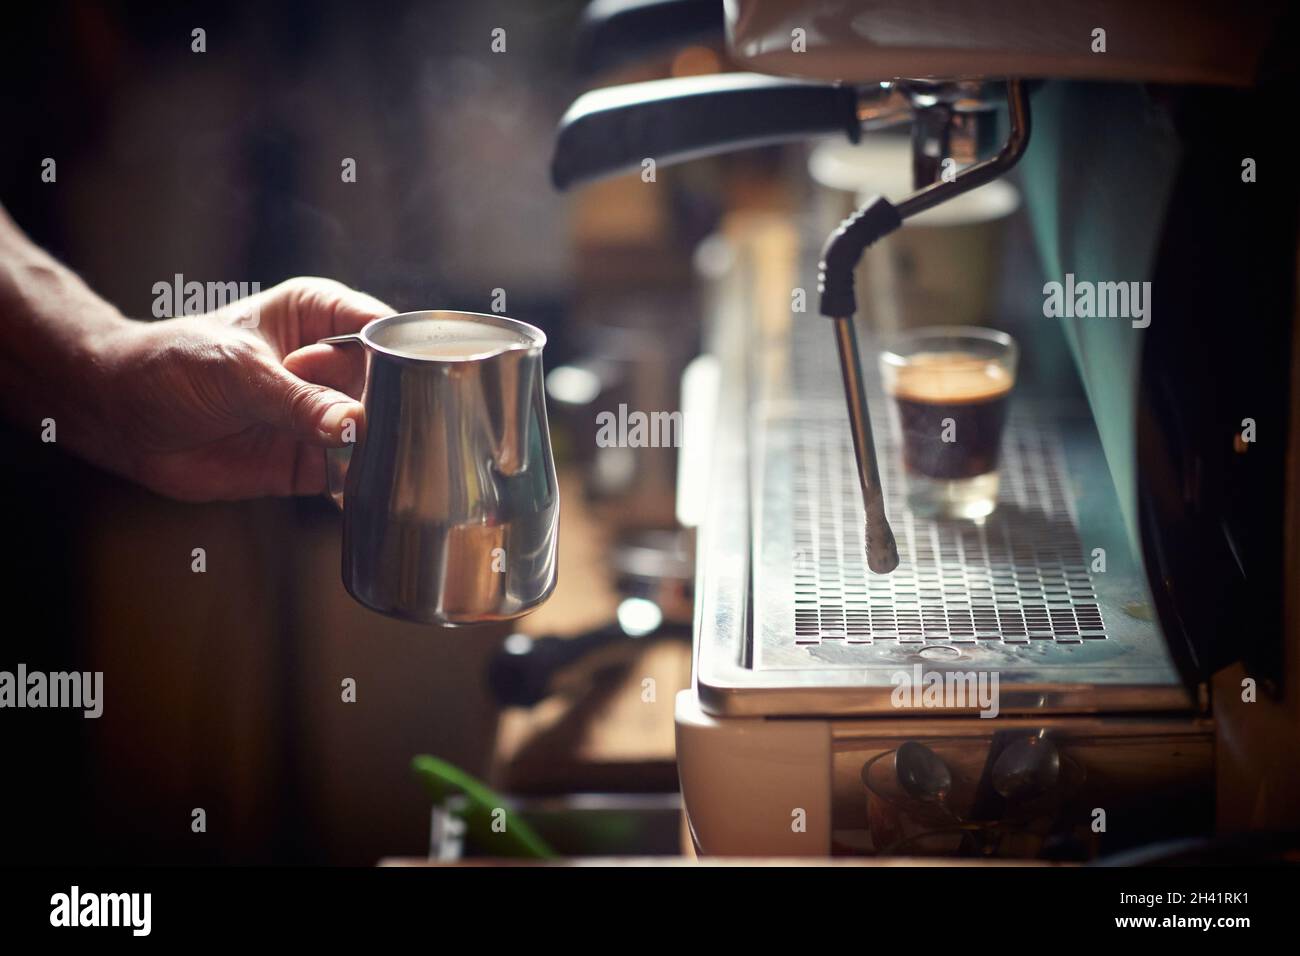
x=1065 y=678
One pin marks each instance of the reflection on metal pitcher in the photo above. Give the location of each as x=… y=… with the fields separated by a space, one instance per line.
x=449 y=497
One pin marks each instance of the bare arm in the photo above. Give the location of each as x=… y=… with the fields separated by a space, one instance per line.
x=56 y=334
x=194 y=407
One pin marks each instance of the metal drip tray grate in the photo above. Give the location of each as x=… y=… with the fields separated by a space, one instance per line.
x=1019 y=576
x=791 y=621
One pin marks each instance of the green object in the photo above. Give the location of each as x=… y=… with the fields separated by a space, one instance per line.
x=1097 y=178
x=483 y=813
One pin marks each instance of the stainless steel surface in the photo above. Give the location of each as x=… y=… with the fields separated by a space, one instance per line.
x=921 y=772
x=855 y=41
x=1028 y=767
x=1016 y=577
x=790 y=622
x=981 y=173
x=883 y=107
x=931 y=137
x=878 y=544
x=450 y=501
x=944 y=123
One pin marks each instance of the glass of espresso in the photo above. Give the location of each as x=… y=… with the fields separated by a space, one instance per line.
x=949 y=388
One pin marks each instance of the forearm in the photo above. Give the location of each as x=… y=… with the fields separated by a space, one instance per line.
x=57 y=338
x=199 y=408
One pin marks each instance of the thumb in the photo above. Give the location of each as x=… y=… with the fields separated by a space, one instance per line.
x=314 y=413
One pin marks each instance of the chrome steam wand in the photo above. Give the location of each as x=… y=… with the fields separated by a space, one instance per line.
x=874 y=220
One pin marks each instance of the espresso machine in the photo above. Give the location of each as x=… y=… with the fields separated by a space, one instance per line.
x=1130 y=607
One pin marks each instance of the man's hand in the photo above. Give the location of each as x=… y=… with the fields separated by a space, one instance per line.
x=203 y=407
x=200 y=408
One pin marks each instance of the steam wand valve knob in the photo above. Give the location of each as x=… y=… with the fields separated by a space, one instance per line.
x=876 y=219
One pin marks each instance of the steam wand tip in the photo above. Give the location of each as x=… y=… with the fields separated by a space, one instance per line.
x=882 y=551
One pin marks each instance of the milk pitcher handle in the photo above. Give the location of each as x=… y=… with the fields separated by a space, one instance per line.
x=338 y=459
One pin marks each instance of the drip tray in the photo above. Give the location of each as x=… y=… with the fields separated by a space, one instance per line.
x=1044 y=592
x=1017 y=576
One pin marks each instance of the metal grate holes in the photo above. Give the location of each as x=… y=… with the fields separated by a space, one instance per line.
x=1018 y=577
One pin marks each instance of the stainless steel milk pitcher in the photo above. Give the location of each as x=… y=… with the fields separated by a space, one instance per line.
x=449 y=496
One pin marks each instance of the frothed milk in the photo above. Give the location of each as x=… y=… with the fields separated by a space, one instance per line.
x=449 y=339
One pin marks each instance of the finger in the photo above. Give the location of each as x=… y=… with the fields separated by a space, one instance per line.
x=325 y=307
x=341 y=367
x=314 y=413
x=300 y=311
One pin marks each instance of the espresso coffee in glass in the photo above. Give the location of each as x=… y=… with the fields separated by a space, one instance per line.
x=949 y=388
